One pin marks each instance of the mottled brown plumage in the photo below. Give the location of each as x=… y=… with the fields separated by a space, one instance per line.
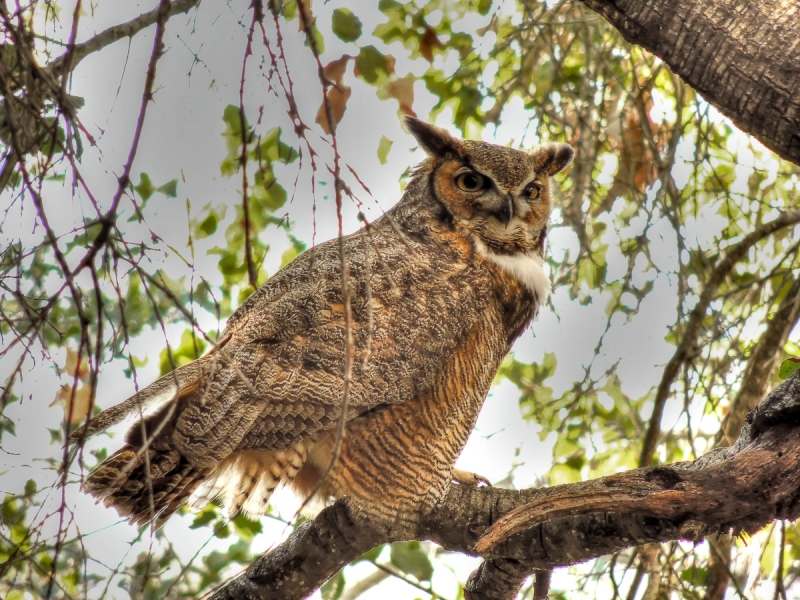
x=440 y=286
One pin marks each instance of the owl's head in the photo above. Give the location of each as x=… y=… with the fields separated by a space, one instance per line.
x=499 y=194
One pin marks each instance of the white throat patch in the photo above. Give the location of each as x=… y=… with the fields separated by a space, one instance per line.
x=528 y=269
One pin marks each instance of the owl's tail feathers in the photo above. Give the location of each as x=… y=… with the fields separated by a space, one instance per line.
x=171 y=386
x=145 y=484
x=245 y=481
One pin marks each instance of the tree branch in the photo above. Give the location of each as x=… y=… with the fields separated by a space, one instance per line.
x=740 y=488
x=69 y=60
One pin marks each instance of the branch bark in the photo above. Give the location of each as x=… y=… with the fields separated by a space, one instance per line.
x=740 y=56
x=740 y=488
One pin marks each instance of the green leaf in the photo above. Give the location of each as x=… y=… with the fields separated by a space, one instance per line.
x=371 y=63
x=333 y=588
x=77 y=102
x=191 y=347
x=8 y=425
x=288 y=256
x=370 y=555
x=409 y=558
x=100 y=454
x=208 y=226
x=383 y=149
x=388 y=5
x=169 y=189
x=145 y=188
x=789 y=367
x=345 y=25
x=484 y=6
x=695 y=575
x=208 y=515
x=561 y=474
x=319 y=40
x=289 y=10
x=246 y=528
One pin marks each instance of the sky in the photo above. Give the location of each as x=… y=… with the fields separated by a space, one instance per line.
x=199 y=75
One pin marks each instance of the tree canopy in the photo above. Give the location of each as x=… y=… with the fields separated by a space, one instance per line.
x=158 y=167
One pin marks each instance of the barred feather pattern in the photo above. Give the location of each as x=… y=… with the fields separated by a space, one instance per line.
x=145 y=485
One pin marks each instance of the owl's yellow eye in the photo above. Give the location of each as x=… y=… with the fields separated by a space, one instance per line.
x=532 y=190
x=470 y=182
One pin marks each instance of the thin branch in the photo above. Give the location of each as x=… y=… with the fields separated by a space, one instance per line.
x=252 y=271
x=70 y=59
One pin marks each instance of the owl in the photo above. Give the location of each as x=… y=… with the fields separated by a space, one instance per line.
x=365 y=393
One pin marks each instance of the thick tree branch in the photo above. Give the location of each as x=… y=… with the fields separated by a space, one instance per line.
x=497 y=579
x=740 y=56
x=740 y=488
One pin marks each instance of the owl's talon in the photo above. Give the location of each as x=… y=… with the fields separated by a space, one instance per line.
x=470 y=478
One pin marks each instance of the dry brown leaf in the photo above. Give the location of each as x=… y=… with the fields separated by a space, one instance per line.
x=304 y=8
x=337 y=99
x=71 y=365
x=390 y=62
x=402 y=90
x=629 y=139
x=80 y=401
x=427 y=42
x=335 y=69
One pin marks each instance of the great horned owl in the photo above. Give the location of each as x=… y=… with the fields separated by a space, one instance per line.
x=440 y=287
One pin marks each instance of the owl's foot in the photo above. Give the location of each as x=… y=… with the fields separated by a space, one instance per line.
x=469 y=478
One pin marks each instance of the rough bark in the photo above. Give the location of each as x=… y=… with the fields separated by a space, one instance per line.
x=740 y=488
x=740 y=56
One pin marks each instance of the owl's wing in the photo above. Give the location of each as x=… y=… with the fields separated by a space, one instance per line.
x=280 y=377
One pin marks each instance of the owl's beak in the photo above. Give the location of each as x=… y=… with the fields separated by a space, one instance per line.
x=506 y=211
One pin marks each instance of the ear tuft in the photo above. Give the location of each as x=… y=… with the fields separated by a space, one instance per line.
x=434 y=140
x=554 y=157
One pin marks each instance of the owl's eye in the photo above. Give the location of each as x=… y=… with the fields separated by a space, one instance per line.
x=470 y=182
x=532 y=190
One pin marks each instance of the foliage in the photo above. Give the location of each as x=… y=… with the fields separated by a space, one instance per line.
x=99 y=273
